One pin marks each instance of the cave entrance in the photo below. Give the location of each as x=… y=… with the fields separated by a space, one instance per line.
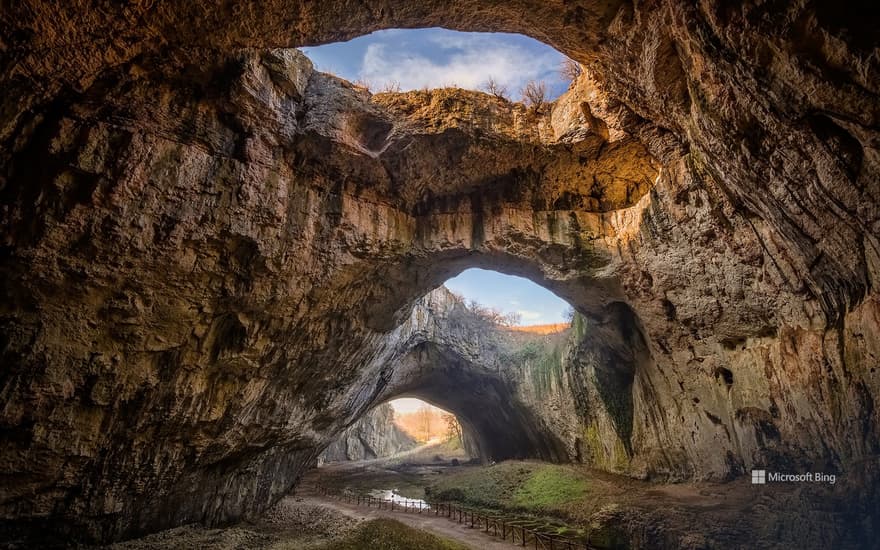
x=425 y=423
x=509 y=66
x=516 y=390
x=402 y=428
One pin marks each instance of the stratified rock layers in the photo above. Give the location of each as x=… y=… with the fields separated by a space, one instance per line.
x=214 y=258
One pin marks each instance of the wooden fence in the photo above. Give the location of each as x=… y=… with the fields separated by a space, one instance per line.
x=505 y=529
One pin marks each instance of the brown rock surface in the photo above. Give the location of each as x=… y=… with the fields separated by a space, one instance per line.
x=212 y=255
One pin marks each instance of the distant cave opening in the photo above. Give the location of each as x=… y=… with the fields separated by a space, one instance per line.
x=511 y=301
x=424 y=422
x=507 y=65
x=405 y=428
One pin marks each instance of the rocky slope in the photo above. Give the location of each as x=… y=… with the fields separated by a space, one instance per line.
x=212 y=256
x=374 y=435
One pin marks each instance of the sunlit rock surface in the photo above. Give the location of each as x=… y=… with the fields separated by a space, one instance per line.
x=211 y=254
x=374 y=435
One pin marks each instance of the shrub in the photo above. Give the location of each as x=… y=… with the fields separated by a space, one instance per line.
x=495 y=88
x=493 y=315
x=534 y=94
x=391 y=86
x=570 y=69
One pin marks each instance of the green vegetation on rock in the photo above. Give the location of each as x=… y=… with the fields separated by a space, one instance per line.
x=543 y=362
x=543 y=359
x=579 y=327
x=619 y=458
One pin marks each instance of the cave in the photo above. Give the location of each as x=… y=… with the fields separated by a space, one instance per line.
x=215 y=258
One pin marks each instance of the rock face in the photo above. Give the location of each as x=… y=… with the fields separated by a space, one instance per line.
x=215 y=258
x=375 y=435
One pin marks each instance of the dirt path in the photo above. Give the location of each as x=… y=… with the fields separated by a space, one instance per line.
x=472 y=538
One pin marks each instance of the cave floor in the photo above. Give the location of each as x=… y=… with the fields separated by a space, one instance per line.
x=291 y=524
x=624 y=512
x=615 y=511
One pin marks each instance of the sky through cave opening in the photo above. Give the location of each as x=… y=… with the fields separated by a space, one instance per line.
x=516 y=298
x=413 y=59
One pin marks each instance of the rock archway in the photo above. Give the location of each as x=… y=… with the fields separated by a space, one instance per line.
x=496 y=425
x=210 y=252
x=463 y=363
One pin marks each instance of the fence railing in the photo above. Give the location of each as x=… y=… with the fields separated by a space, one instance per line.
x=503 y=528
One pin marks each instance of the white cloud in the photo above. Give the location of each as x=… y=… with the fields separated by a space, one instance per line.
x=527 y=315
x=466 y=63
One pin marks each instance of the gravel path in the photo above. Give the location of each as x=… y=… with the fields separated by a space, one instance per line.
x=473 y=538
x=302 y=522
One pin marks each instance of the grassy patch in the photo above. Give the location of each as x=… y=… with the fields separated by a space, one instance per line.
x=549 y=487
x=387 y=534
x=521 y=486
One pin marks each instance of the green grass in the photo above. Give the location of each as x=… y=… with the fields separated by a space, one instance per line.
x=550 y=487
x=387 y=534
x=520 y=486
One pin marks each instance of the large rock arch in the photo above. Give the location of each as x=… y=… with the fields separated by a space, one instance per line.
x=460 y=362
x=204 y=250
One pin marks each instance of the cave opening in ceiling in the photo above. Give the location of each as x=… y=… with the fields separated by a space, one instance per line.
x=514 y=301
x=503 y=64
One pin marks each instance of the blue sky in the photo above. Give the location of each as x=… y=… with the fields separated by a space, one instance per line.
x=435 y=57
x=535 y=304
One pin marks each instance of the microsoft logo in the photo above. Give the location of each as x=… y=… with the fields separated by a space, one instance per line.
x=759 y=477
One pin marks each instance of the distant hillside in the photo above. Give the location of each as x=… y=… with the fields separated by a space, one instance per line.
x=425 y=424
x=552 y=328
